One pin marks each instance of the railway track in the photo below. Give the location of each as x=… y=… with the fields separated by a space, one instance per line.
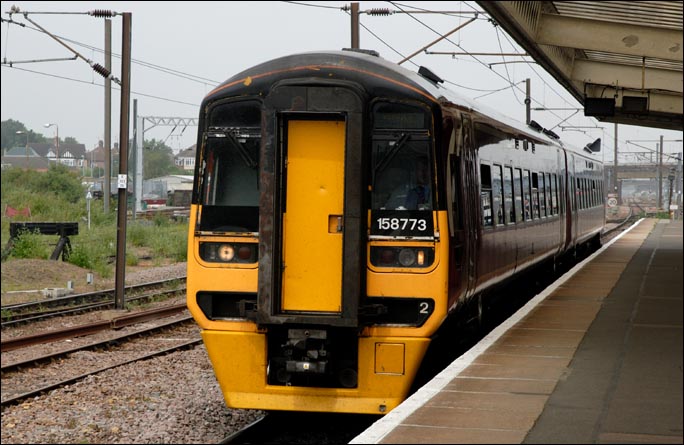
x=16 y=398
x=17 y=314
x=302 y=428
x=36 y=363
x=90 y=328
x=15 y=393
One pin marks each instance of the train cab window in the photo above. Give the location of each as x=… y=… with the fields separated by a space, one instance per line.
x=508 y=195
x=229 y=171
x=486 y=195
x=402 y=176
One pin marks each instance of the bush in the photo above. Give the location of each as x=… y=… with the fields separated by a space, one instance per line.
x=30 y=245
x=58 y=196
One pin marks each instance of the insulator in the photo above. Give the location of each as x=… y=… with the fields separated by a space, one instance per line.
x=102 y=71
x=379 y=11
x=104 y=13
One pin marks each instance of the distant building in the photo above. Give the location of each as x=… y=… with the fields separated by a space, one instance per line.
x=20 y=158
x=40 y=155
x=173 y=189
x=96 y=156
x=71 y=155
x=163 y=185
x=185 y=159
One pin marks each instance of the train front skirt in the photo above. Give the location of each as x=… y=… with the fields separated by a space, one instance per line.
x=386 y=370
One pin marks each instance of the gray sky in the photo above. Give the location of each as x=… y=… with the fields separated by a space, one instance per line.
x=181 y=50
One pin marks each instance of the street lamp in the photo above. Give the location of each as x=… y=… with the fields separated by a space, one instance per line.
x=27 y=147
x=56 y=137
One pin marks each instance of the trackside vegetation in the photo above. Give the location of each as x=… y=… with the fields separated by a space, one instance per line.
x=58 y=196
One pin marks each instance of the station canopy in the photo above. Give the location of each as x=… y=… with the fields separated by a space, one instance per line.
x=621 y=60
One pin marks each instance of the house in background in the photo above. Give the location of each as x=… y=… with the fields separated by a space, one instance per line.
x=40 y=155
x=185 y=159
x=71 y=155
x=96 y=156
x=20 y=157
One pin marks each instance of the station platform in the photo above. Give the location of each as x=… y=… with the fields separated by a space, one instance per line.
x=595 y=358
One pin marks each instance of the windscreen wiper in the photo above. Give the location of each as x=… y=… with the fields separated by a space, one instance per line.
x=384 y=162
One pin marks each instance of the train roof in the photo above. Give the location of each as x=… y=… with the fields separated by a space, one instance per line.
x=375 y=65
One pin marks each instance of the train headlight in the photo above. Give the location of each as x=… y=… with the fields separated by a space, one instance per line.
x=407 y=257
x=391 y=256
x=228 y=252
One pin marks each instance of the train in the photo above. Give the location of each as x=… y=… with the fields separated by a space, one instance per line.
x=345 y=207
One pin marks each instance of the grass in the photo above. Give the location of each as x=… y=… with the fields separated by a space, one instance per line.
x=58 y=196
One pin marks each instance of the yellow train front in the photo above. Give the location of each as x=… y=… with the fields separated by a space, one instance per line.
x=318 y=255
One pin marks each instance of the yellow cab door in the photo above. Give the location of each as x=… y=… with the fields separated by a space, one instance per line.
x=313 y=216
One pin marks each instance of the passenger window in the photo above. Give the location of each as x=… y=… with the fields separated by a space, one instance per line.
x=554 y=194
x=527 y=195
x=542 y=194
x=486 y=195
x=508 y=195
x=580 y=205
x=535 y=194
x=497 y=198
x=517 y=194
x=549 y=198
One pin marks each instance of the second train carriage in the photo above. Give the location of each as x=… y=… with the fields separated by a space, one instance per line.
x=343 y=208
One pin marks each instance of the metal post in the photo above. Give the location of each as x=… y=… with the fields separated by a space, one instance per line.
x=678 y=185
x=108 y=118
x=615 y=162
x=138 y=134
x=133 y=157
x=89 y=196
x=122 y=183
x=528 y=100
x=659 y=205
x=355 y=25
